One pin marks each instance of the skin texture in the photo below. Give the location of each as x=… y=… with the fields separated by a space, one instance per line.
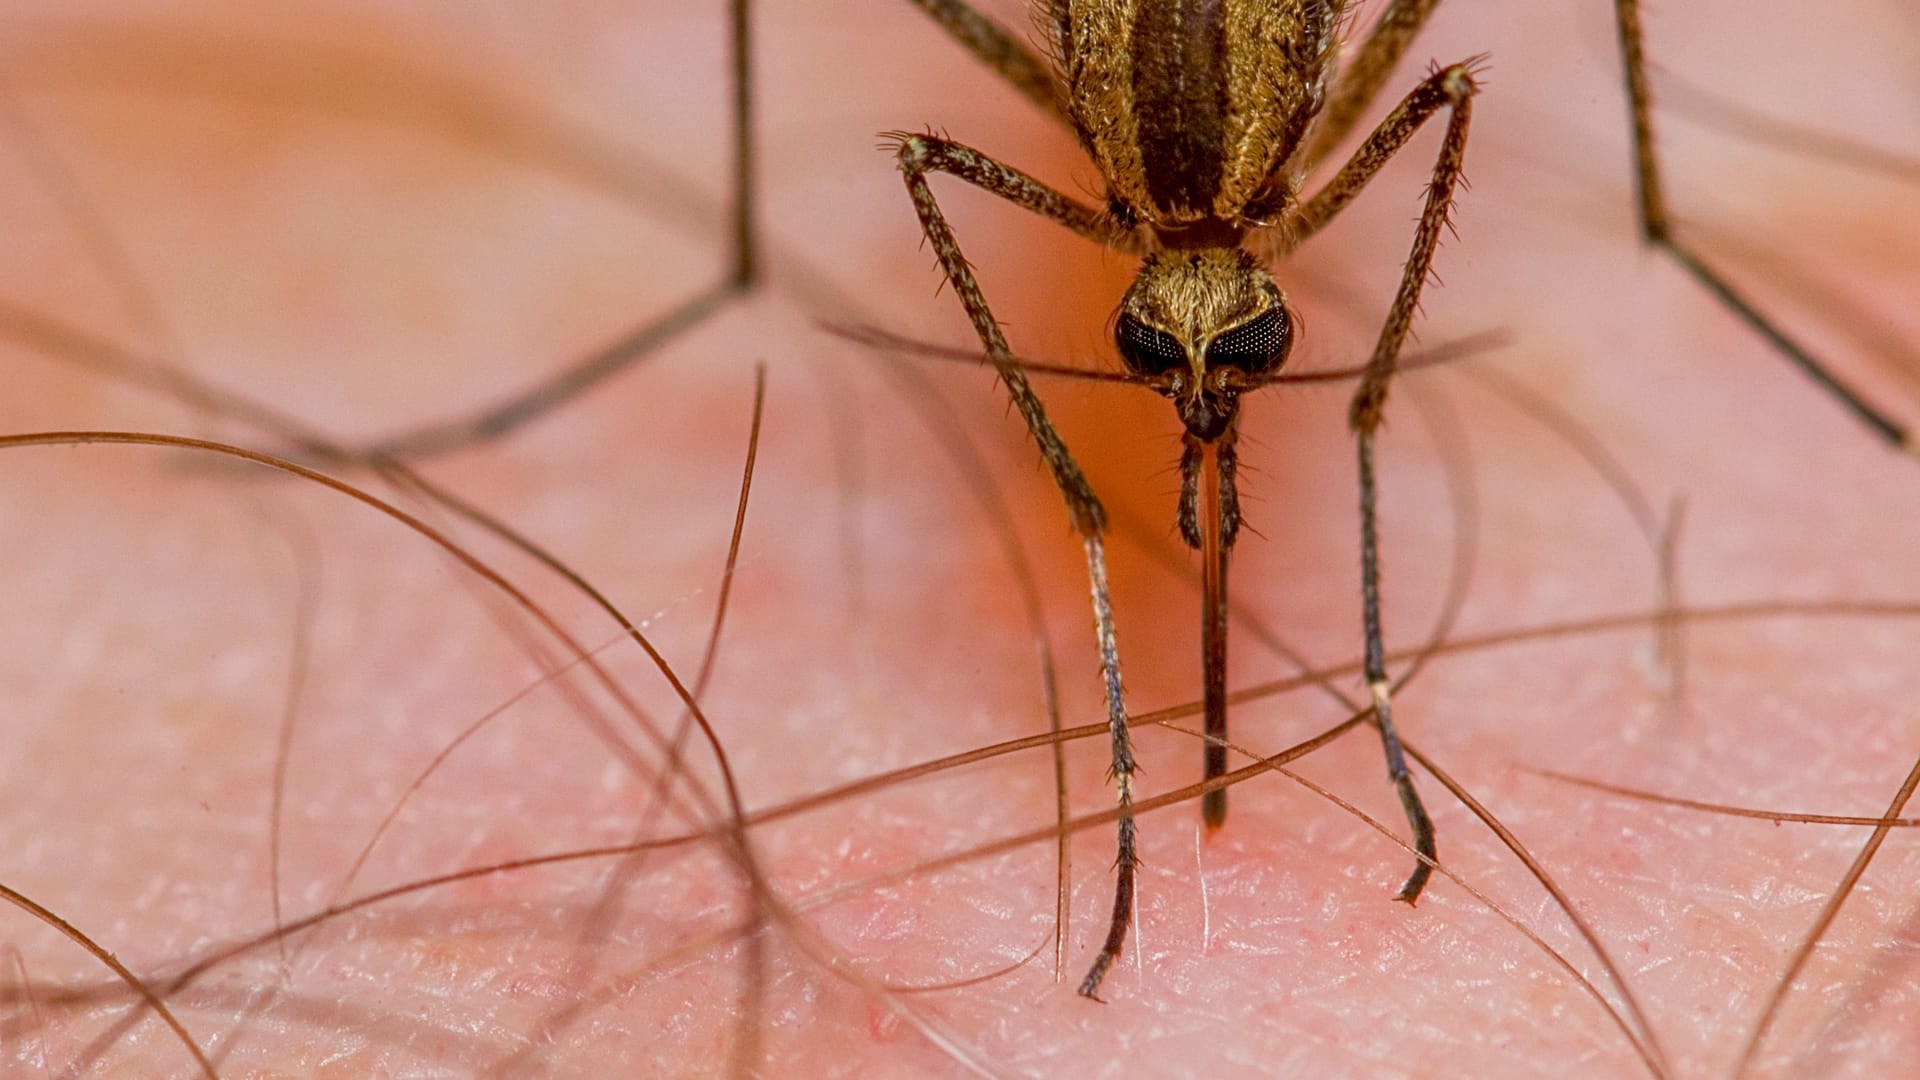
x=351 y=245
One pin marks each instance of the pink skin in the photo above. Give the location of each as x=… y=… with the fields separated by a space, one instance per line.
x=366 y=268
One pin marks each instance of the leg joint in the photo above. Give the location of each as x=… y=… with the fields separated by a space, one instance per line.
x=916 y=153
x=1460 y=81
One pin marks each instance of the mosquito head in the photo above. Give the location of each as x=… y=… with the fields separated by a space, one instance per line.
x=1204 y=326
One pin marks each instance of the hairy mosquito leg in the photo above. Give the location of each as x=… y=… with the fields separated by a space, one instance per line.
x=991 y=44
x=1452 y=87
x=1362 y=77
x=576 y=378
x=1656 y=229
x=920 y=155
x=746 y=188
x=923 y=154
x=1378 y=686
x=557 y=389
x=980 y=35
x=1126 y=858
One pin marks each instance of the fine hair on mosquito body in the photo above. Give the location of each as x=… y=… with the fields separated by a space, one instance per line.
x=1203 y=118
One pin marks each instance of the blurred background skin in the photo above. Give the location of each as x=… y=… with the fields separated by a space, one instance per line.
x=343 y=211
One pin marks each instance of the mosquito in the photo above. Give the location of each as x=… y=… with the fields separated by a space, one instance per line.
x=1203 y=118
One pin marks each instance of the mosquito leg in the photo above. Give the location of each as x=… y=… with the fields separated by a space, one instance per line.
x=1126 y=859
x=1362 y=77
x=1377 y=684
x=991 y=44
x=741 y=207
x=561 y=386
x=1448 y=88
x=920 y=155
x=556 y=389
x=1656 y=229
x=923 y=154
x=1452 y=87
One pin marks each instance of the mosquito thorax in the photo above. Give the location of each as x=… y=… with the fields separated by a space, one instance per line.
x=1203 y=326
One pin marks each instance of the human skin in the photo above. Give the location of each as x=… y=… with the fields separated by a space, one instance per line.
x=364 y=268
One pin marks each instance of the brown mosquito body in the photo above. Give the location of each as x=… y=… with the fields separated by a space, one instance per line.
x=1204 y=117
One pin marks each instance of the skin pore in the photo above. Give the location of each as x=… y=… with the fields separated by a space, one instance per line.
x=356 y=221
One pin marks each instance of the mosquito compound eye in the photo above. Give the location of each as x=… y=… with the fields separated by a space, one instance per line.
x=1255 y=346
x=1148 y=351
